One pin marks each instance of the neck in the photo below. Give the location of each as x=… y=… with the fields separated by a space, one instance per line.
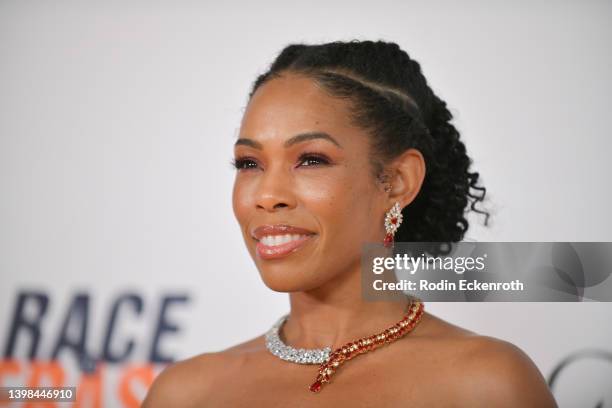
x=336 y=313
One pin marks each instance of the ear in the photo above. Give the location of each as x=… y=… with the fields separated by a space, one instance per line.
x=407 y=173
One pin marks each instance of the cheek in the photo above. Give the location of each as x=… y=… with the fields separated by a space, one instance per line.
x=342 y=204
x=241 y=201
x=324 y=197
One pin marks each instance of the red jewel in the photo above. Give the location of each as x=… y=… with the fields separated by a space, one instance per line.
x=388 y=240
x=366 y=344
x=393 y=220
x=316 y=386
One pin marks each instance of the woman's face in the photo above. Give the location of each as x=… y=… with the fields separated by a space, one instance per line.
x=320 y=185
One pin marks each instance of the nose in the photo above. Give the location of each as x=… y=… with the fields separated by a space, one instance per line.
x=274 y=190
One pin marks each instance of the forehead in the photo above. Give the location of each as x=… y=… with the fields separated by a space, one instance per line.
x=293 y=104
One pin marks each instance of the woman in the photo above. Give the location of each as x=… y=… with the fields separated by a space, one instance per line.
x=334 y=138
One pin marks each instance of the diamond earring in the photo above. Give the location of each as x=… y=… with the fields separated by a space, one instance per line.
x=393 y=220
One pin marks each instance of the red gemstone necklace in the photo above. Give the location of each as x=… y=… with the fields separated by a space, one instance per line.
x=330 y=362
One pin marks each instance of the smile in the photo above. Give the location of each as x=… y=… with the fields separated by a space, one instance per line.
x=278 y=246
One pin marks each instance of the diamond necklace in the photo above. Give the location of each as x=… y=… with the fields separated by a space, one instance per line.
x=288 y=353
x=329 y=363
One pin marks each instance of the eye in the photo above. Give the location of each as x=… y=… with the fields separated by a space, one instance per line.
x=310 y=160
x=243 y=163
x=315 y=158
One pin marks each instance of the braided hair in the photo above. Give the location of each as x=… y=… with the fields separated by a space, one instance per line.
x=389 y=97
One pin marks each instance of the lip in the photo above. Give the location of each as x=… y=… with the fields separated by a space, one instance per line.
x=279 y=251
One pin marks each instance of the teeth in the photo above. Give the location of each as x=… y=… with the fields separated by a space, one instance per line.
x=273 y=240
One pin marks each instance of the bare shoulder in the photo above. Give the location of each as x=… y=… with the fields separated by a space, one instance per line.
x=486 y=371
x=187 y=383
x=182 y=383
x=498 y=373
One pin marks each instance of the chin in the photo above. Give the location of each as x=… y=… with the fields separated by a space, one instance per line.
x=287 y=281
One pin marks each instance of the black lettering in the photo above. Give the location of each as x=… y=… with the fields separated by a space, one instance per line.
x=28 y=324
x=164 y=326
x=136 y=302
x=73 y=334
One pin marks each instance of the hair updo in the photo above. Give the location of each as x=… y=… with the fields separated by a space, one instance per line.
x=390 y=98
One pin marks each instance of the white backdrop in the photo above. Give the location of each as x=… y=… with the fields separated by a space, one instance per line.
x=116 y=129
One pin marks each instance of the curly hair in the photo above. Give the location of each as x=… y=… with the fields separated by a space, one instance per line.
x=389 y=97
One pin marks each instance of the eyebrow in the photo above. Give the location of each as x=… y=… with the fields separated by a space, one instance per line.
x=299 y=138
